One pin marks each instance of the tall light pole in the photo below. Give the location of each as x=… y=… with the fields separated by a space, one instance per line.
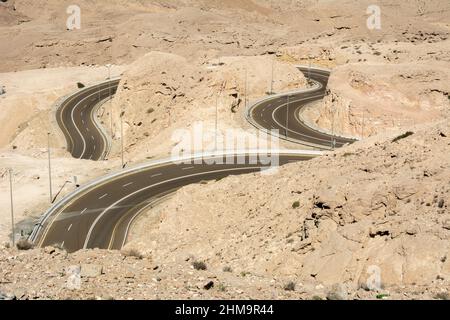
x=49 y=168
x=309 y=70
x=287 y=115
x=110 y=100
x=121 y=134
x=362 y=125
x=12 y=207
x=333 y=141
x=271 y=79
x=216 y=121
x=245 y=89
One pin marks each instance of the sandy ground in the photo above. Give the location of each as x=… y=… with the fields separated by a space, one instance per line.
x=27 y=114
x=321 y=224
x=163 y=98
x=377 y=209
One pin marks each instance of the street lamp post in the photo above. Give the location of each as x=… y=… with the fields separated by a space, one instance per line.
x=49 y=168
x=216 y=122
x=287 y=115
x=271 y=79
x=362 y=125
x=12 y=207
x=121 y=135
x=110 y=100
x=333 y=141
x=245 y=89
x=309 y=71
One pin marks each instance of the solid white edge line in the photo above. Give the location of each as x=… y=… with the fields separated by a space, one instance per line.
x=65 y=200
x=97 y=219
x=76 y=106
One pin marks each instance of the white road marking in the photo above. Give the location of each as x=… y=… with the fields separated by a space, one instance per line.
x=73 y=118
x=128 y=184
x=294 y=132
x=87 y=129
x=97 y=219
x=156 y=175
x=103 y=196
x=84 y=210
x=70 y=227
x=82 y=121
x=187 y=168
x=92 y=137
x=62 y=244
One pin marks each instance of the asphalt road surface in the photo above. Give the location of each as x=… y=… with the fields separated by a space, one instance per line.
x=75 y=116
x=282 y=113
x=100 y=214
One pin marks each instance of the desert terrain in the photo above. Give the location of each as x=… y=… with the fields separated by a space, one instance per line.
x=313 y=230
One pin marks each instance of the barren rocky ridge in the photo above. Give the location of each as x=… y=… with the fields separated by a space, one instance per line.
x=317 y=227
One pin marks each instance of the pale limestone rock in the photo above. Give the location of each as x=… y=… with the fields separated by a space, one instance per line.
x=91 y=270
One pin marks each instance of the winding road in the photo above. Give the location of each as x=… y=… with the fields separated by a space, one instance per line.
x=282 y=113
x=76 y=118
x=99 y=214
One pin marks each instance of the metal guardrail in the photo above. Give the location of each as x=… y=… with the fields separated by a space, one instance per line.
x=101 y=128
x=316 y=86
x=206 y=155
x=71 y=196
x=66 y=97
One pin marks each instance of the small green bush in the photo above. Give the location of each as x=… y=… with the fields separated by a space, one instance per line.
x=199 y=265
x=442 y=296
x=132 y=252
x=24 y=244
x=290 y=286
x=227 y=269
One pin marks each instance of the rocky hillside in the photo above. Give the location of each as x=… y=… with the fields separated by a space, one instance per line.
x=317 y=229
x=383 y=202
x=198 y=30
x=161 y=93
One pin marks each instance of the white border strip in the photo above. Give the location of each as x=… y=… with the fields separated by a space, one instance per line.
x=63 y=99
x=316 y=86
x=106 y=137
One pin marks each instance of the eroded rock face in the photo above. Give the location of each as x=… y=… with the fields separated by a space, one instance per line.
x=375 y=97
x=370 y=217
x=161 y=94
x=91 y=270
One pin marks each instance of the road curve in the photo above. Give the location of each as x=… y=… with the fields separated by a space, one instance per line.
x=275 y=114
x=75 y=116
x=99 y=214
